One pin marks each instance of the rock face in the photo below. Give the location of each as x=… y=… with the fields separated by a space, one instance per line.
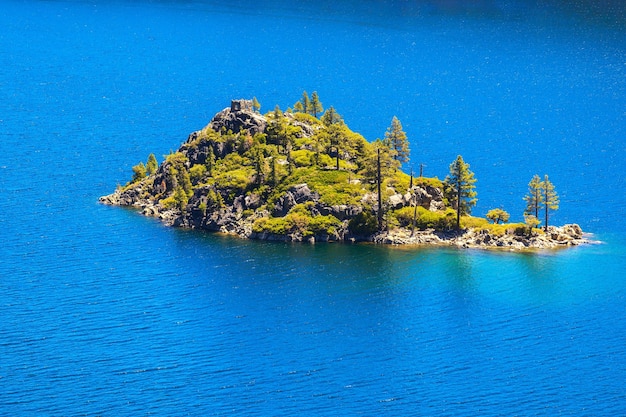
x=240 y=116
x=297 y=194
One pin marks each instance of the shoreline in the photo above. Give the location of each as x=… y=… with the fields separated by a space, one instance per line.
x=557 y=237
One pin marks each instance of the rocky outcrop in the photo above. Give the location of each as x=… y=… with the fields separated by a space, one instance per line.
x=238 y=117
x=556 y=237
x=298 y=194
x=430 y=198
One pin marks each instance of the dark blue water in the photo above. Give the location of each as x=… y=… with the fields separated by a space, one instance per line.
x=105 y=312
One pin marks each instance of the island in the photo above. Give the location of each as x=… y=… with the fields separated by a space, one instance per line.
x=303 y=176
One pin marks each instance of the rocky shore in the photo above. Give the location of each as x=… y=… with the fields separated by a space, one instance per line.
x=230 y=221
x=556 y=237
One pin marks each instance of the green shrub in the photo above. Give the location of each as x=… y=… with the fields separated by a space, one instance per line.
x=404 y=216
x=363 y=224
x=302 y=157
x=324 y=224
x=424 y=181
x=236 y=180
x=425 y=219
x=307 y=119
x=197 y=172
x=480 y=223
x=230 y=162
x=276 y=225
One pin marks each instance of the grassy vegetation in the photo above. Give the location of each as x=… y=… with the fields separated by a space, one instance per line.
x=480 y=223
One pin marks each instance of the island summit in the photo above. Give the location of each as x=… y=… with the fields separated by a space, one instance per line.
x=303 y=175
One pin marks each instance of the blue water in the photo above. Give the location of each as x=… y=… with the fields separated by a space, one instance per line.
x=105 y=312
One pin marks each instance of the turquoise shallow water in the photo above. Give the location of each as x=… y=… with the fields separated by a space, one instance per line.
x=104 y=312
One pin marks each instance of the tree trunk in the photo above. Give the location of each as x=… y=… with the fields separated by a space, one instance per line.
x=380 y=194
x=414 y=217
x=458 y=206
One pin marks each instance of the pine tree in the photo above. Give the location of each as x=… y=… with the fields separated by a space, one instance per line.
x=396 y=140
x=550 y=198
x=379 y=181
x=306 y=103
x=185 y=181
x=369 y=164
x=298 y=107
x=534 y=198
x=152 y=165
x=256 y=106
x=139 y=172
x=273 y=176
x=331 y=117
x=210 y=161
x=461 y=182
x=258 y=161
x=316 y=105
x=180 y=198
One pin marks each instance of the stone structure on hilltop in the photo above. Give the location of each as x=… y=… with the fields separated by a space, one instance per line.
x=241 y=105
x=240 y=116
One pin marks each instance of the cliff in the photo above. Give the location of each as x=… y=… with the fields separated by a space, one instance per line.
x=293 y=177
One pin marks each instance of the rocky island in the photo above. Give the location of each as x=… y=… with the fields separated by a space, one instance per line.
x=292 y=176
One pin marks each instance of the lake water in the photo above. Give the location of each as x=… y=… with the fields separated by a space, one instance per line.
x=105 y=312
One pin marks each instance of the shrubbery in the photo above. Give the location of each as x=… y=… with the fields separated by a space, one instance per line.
x=363 y=224
x=425 y=219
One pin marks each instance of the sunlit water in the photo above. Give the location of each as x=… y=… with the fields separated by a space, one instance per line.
x=105 y=312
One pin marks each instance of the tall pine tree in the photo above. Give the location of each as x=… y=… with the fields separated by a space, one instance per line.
x=306 y=102
x=316 y=105
x=534 y=198
x=550 y=198
x=460 y=182
x=256 y=106
x=397 y=141
x=152 y=164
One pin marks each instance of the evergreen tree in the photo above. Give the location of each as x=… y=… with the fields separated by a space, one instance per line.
x=370 y=162
x=258 y=161
x=185 y=181
x=139 y=172
x=379 y=181
x=273 y=175
x=180 y=198
x=315 y=105
x=534 y=198
x=461 y=182
x=550 y=198
x=397 y=141
x=298 y=107
x=152 y=165
x=210 y=161
x=331 y=117
x=256 y=106
x=306 y=103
